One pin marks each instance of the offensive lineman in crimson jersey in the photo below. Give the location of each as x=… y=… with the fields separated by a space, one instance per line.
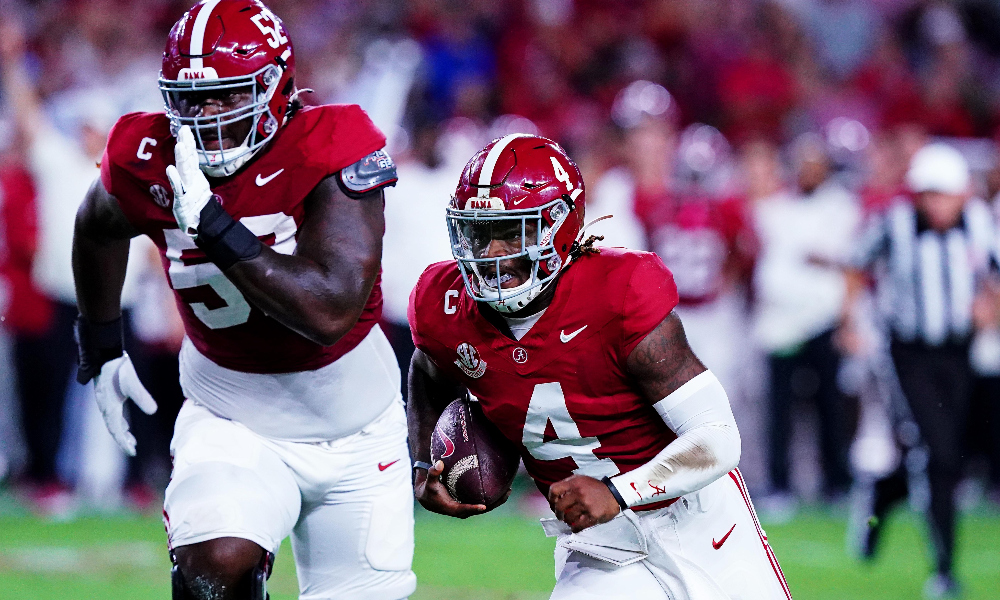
x=574 y=352
x=269 y=219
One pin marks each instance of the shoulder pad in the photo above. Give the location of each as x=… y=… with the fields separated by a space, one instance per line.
x=368 y=174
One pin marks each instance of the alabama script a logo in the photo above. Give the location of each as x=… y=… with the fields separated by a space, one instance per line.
x=469 y=361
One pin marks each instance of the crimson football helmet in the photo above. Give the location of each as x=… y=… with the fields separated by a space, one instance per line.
x=221 y=46
x=523 y=195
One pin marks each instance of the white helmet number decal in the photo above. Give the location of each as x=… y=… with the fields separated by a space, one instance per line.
x=274 y=37
x=561 y=174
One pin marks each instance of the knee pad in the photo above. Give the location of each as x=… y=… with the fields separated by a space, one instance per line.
x=259 y=577
x=179 y=591
x=258 y=580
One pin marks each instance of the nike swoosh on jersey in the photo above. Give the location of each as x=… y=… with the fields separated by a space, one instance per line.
x=382 y=467
x=262 y=181
x=719 y=544
x=566 y=338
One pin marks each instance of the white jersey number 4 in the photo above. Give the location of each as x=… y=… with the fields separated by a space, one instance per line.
x=236 y=310
x=548 y=404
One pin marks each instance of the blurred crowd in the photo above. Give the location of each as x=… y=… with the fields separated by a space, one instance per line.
x=747 y=142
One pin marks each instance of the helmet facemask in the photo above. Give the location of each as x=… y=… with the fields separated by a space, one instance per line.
x=261 y=86
x=494 y=248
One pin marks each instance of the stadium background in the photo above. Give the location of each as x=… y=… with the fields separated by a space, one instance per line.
x=623 y=86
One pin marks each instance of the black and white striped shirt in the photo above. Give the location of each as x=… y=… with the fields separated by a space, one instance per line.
x=931 y=277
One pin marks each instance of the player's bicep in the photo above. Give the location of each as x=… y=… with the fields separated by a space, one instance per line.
x=663 y=361
x=345 y=216
x=100 y=217
x=343 y=233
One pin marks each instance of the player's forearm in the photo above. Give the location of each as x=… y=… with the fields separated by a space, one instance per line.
x=99 y=274
x=854 y=285
x=428 y=395
x=420 y=419
x=320 y=303
x=101 y=238
x=707 y=445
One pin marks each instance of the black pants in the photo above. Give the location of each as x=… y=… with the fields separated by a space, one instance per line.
x=984 y=424
x=811 y=371
x=45 y=364
x=937 y=383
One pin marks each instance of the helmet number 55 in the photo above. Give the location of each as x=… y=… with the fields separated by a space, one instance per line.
x=274 y=36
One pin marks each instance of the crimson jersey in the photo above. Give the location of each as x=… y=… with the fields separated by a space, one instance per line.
x=268 y=197
x=562 y=393
x=702 y=240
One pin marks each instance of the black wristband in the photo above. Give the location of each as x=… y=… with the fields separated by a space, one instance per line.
x=225 y=240
x=96 y=344
x=614 y=492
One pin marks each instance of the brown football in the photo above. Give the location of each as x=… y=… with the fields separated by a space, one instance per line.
x=479 y=462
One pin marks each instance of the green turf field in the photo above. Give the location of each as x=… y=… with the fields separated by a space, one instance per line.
x=491 y=557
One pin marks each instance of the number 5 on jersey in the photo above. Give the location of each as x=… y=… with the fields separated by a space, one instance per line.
x=236 y=309
x=548 y=405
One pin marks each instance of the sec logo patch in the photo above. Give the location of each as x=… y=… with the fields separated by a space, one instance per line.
x=160 y=195
x=469 y=361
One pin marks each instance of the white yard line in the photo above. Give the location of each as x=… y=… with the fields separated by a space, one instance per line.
x=82 y=559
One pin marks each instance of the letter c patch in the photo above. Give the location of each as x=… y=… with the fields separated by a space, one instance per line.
x=142 y=153
x=449 y=308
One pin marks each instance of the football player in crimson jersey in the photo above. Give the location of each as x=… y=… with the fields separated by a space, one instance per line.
x=269 y=219
x=575 y=354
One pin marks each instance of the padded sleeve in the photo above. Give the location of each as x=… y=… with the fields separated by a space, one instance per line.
x=367 y=175
x=707 y=446
x=650 y=297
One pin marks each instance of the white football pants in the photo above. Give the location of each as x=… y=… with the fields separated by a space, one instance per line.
x=706 y=546
x=347 y=503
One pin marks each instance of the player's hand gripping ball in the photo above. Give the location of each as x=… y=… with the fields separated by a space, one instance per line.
x=191 y=189
x=479 y=462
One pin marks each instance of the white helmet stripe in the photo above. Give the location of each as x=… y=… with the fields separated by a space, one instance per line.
x=198 y=34
x=486 y=175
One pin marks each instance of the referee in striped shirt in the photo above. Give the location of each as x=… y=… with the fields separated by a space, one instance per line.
x=934 y=256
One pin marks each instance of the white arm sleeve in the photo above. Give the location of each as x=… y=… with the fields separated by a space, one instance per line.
x=707 y=445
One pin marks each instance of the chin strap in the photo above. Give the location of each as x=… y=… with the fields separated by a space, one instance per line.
x=292 y=108
x=295 y=94
x=579 y=248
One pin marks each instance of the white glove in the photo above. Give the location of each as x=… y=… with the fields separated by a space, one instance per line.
x=191 y=189
x=116 y=383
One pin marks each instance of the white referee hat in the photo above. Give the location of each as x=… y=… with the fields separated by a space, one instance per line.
x=938 y=167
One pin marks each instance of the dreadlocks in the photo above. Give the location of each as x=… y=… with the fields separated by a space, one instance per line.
x=587 y=247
